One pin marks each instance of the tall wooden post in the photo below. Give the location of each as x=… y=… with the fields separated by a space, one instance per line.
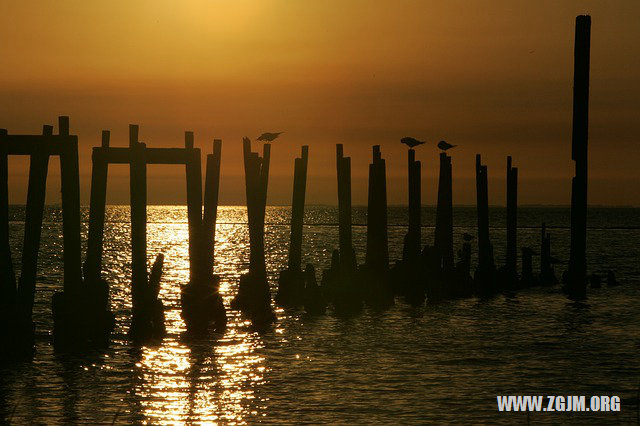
x=97 y=206
x=38 y=168
x=211 y=191
x=485 y=251
x=343 y=165
x=297 y=209
x=415 y=204
x=444 y=214
x=70 y=209
x=7 y=273
x=194 y=206
x=577 y=259
x=138 y=189
x=377 y=255
x=512 y=217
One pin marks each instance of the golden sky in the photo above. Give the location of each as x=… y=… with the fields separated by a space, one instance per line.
x=494 y=77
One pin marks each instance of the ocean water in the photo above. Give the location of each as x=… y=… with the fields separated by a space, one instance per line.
x=439 y=363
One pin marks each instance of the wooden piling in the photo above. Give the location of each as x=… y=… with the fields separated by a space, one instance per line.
x=194 y=207
x=297 y=209
x=485 y=251
x=211 y=191
x=38 y=168
x=138 y=191
x=512 y=218
x=97 y=206
x=444 y=214
x=343 y=165
x=7 y=273
x=577 y=274
x=415 y=205
x=377 y=256
x=70 y=176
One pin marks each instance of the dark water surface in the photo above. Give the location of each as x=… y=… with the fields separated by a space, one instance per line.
x=440 y=363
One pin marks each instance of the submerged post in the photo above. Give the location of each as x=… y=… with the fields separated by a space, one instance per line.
x=577 y=274
x=97 y=206
x=512 y=218
x=444 y=214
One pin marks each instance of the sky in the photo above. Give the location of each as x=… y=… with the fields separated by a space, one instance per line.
x=493 y=77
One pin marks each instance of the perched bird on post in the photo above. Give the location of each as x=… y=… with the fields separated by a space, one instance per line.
x=269 y=137
x=443 y=145
x=411 y=142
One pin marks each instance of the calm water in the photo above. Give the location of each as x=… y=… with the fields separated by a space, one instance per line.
x=444 y=362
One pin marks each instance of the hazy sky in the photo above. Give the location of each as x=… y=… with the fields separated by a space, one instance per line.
x=494 y=77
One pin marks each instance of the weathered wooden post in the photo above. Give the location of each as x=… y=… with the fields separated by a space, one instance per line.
x=485 y=273
x=576 y=286
x=297 y=209
x=444 y=214
x=211 y=192
x=291 y=283
x=97 y=206
x=413 y=237
x=194 y=208
x=375 y=272
x=343 y=165
x=70 y=175
x=138 y=202
x=253 y=292
x=201 y=302
x=547 y=272
x=7 y=273
x=512 y=220
x=377 y=256
x=38 y=168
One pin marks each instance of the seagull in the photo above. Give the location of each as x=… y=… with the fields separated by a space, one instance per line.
x=269 y=137
x=411 y=142
x=467 y=237
x=443 y=145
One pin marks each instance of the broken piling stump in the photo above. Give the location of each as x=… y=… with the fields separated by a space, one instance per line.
x=291 y=283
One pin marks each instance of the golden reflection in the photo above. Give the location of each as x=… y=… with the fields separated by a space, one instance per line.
x=206 y=380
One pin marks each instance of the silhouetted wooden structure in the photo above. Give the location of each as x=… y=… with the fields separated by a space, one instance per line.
x=291 y=283
x=375 y=274
x=340 y=282
x=81 y=316
x=485 y=277
x=512 y=220
x=547 y=272
x=444 y=215
x=147 y=311
x=201 y=302
x=253 y=292
x=576 y=285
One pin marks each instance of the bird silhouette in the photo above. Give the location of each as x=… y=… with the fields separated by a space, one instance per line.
x=411 y=142
x=443 y=145
x=467 y=237
x=269 y=137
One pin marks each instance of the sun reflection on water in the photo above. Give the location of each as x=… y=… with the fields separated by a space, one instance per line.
x=208 y=379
